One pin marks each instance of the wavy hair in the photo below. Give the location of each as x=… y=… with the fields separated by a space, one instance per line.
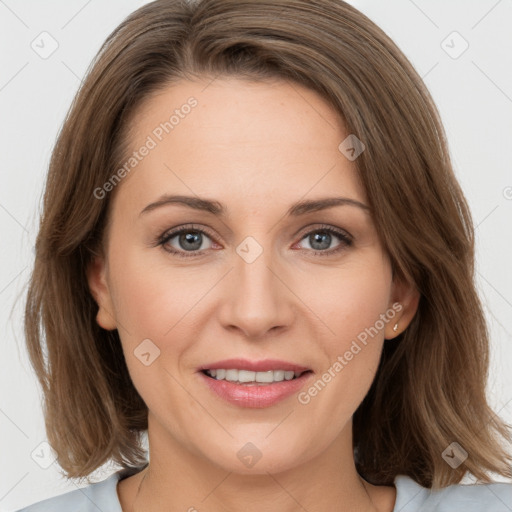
x=430 y=387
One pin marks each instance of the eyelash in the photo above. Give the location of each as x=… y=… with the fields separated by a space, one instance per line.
x=346 y=241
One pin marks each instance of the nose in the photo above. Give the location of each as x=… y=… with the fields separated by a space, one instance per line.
x=257 y=299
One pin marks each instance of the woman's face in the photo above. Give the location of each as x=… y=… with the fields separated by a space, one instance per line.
x=254 y=282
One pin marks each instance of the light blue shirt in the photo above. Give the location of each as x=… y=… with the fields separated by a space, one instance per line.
x=410 y=497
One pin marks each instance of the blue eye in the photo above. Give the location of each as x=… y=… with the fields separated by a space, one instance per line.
x=322 y=239
x=190 y=241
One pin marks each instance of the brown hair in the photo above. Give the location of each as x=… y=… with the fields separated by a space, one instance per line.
x=430 y=387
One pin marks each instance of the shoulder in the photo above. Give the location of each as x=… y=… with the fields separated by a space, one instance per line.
x=492 y=497
x=97 y=496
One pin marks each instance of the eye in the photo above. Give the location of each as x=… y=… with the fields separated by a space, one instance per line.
x=187 y=239
x=320 y=239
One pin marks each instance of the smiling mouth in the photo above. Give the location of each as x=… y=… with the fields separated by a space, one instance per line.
x=252 y=378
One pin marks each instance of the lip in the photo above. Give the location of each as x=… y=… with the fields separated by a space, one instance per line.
x=255 y=366
x=256 y=396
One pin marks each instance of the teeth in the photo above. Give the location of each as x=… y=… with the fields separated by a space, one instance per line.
x=231 y=375
x=278 y=375
x=243 y=376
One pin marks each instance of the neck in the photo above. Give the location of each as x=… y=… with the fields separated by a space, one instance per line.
x=177 y=479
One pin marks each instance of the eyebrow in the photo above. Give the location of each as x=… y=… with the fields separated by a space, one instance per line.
x=216 y=208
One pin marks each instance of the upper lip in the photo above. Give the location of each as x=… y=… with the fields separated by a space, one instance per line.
x=255 y=366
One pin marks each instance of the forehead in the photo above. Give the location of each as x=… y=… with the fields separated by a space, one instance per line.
x=233 y=139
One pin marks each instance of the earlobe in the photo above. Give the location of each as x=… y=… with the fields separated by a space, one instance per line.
x=404 y=301
x=96 y=277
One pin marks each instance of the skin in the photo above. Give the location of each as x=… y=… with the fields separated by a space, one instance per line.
x=256 y=147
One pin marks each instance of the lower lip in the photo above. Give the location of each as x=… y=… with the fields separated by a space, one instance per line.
x=255 y=396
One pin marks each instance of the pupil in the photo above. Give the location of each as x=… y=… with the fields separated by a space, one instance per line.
x=189 y=238
x=326 y=237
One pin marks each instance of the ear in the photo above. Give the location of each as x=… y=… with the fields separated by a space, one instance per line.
x=96 y=277
x=404 y=301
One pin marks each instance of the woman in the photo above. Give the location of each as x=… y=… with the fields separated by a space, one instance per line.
x=254 y=248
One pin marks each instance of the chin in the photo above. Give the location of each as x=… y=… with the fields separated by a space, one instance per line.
x=247 y=458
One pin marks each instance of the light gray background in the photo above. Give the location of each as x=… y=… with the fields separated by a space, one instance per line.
x=473 y=93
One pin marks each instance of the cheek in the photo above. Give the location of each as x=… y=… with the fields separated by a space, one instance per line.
x=164 y=303
x=150 y=298
x=349 y=300
x=358 y=301
x=154 y=307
